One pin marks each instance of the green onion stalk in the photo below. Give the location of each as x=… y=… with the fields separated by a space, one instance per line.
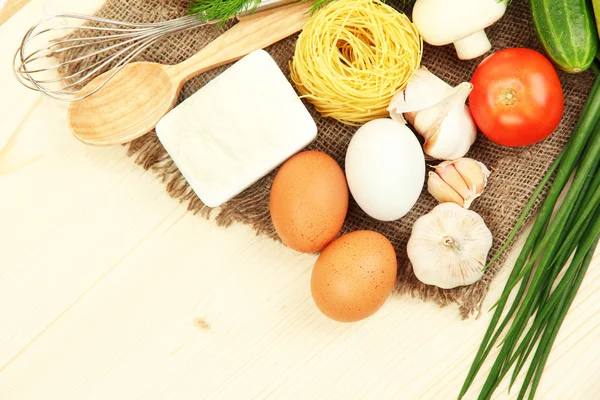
x=544 y=295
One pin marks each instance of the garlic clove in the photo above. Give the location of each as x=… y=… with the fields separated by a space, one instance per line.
x=455 y=137
x=427 y=121
x=448 y=247
x=442 y=191
x=453 y=131
x=474 y=173
x=423 y=90
x=452 y=177
x=438 y=113
x=466 y=177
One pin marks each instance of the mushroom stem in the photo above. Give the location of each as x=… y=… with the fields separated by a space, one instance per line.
x=473 y=46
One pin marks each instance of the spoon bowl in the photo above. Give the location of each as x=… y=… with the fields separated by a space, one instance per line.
x=134 y=100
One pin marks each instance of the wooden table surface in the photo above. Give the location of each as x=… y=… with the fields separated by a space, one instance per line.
x=9 y=7
x=109 y=289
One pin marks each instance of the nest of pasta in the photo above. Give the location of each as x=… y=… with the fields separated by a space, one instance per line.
x=353 y=56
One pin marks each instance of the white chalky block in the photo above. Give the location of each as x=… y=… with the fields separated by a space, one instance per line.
x=236 y=129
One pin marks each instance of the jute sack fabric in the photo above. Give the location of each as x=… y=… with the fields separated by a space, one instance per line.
x=516 y=171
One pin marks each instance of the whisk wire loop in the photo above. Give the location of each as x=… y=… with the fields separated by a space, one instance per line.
x=112 y=43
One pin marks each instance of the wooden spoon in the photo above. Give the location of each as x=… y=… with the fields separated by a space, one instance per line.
x=132 y=103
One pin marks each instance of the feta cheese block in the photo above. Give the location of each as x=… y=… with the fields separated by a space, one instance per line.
x=236 y=129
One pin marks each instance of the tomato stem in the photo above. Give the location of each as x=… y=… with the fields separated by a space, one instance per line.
x=509 y=97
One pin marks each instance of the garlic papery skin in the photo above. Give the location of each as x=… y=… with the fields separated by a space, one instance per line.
x=438 y=112
x=447 y=127
x=449 y=246
x=460 y=181
x=422 y=91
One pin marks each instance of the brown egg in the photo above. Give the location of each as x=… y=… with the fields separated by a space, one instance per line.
x=309 y=201
x=354 y=276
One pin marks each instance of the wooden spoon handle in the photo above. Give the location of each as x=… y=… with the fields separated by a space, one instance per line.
x=250 y=34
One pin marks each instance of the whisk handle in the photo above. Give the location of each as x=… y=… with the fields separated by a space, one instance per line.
x=251 y=33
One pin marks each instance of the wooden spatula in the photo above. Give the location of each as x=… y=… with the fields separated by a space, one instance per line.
x=132 y=103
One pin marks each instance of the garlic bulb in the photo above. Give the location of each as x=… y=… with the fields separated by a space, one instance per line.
x=449 y=246
x=423 y=90
x=438 y=112
x=460 y=181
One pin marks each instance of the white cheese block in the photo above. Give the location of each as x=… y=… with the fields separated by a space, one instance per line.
x=236 y=129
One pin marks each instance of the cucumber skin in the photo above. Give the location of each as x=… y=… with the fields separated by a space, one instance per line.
x=567 y=32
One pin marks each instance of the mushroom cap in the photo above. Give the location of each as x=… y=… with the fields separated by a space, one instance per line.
x=442 y=22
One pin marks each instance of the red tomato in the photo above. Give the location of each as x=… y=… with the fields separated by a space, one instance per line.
x=517 y=99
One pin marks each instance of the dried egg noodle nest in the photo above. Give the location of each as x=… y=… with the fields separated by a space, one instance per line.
x=353 y=56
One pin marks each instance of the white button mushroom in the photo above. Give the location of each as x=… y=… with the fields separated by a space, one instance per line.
x=461 y=22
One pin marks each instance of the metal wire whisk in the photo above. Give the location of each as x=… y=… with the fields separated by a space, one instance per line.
x=120 y=42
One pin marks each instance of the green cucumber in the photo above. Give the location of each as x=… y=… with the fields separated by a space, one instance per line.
x=596 y=8
x=567 y=31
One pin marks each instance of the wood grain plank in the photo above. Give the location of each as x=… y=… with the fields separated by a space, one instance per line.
x=10 y=7
x=16 y=101
x=109 y=289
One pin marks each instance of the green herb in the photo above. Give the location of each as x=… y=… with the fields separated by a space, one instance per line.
x=220 y=10
x=224 y=10
x=544 y=295
x=318 y=4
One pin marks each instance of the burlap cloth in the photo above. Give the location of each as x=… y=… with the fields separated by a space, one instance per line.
x=516 y=171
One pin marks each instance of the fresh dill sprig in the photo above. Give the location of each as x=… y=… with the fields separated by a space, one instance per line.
x=220 y=10
x=318 y=4
x=224 y=10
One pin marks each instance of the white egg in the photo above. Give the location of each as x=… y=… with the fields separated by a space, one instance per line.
x=385 y=169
